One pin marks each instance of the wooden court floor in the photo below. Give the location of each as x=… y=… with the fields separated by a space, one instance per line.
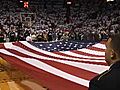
x=13 y=79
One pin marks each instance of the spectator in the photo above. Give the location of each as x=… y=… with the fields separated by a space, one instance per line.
x=110 y=79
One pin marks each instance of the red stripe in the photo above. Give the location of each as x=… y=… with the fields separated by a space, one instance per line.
x=77 y=52
x=86 y=54
x=46 y=55
x=49 y=80
x=24 y=55
x=64 y=67
x=1 y=46
x=96 y=49
x=88 y=75
x=36 y=52
x=31 y=50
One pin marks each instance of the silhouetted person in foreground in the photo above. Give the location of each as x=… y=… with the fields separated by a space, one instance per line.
x=110 y=79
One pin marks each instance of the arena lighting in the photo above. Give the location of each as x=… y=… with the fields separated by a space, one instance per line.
x=110 y=0
x=21 y=1
x=69 y=3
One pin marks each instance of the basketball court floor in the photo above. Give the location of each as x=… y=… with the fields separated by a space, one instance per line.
x=13 y=79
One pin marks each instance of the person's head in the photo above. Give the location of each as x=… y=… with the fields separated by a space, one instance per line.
x=112 y=52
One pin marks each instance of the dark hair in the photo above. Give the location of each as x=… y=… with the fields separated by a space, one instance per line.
x=115 y=43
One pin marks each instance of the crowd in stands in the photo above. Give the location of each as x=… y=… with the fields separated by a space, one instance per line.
x=87 y=22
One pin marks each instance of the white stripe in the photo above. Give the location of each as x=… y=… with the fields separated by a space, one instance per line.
x=52 y=54
x=66 y=62
x=46 y=52
x=89 y=67
x=99 y=45
x=78 y=55
x=49 y=69
x=57 y=60
x=11 y=46
x=92 y=52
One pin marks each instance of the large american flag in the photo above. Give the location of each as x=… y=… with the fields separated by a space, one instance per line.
x=62 y=65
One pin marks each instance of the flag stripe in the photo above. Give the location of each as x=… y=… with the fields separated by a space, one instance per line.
x=58 y=57
x=44 y=67
x=63 y=70
x=57 y=54
x=92 y=66
x=37 y=48
x=66 y=62
x=97 y=49
x=100 y=45
x=92 y=52
x=80 y=54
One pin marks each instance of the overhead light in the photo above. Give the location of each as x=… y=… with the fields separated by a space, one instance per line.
x=109 y=0
x=69 y=3
x=21 y=1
